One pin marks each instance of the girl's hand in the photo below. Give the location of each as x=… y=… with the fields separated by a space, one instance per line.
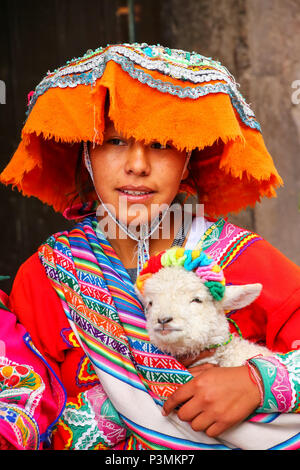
x=216 y=399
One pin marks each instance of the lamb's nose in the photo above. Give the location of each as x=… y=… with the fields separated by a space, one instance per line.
x=165 y=320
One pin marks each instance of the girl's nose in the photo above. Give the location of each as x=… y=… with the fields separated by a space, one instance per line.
x=137 y=162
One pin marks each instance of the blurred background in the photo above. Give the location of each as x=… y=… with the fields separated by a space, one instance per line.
x=257 y=40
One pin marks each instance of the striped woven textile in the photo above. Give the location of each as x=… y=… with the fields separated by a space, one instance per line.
x=100 y=303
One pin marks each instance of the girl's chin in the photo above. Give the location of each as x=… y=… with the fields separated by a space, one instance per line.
x=141 y=213
x=133 y=214
x=134 y=223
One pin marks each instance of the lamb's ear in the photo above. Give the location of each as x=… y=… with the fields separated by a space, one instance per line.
x=236 y=297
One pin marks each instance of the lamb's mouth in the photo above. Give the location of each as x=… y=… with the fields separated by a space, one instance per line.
x=165 y=331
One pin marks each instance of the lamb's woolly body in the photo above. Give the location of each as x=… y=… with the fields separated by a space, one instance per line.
x=237 y=352
x=194 y=326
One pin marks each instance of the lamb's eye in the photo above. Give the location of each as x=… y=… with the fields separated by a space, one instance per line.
x=149 y=304
x=197 y=300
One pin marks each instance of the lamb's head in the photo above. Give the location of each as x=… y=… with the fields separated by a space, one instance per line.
x=185 y=300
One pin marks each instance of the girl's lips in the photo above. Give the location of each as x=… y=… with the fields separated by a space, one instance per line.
x=136 y=197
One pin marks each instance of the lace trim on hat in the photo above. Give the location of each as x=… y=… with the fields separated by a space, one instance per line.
x=86 y=70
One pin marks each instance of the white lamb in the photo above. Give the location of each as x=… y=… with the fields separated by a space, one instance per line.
x=184 y=319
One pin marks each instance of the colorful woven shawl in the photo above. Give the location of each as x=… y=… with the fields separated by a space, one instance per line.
x=100 y=303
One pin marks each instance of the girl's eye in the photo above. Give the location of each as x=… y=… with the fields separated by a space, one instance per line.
x=197 y=300
x=159 y=146
x=116 y=141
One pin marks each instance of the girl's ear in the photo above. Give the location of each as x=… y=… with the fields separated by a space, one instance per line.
x=237 y=297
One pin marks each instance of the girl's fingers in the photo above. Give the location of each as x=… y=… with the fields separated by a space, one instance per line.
x=216 y=429
x=189 y=410
x=183 y=394
x=199 y=369
x=202 y=422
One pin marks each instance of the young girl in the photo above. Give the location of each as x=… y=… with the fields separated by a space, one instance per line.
x=116 y=140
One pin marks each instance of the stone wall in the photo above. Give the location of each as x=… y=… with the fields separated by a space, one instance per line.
x=274 y=38
x=258 y=41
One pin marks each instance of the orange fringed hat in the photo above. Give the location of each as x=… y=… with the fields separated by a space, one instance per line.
x=155 y=93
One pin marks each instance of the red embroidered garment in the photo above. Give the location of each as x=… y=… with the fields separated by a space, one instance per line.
x=31 y=397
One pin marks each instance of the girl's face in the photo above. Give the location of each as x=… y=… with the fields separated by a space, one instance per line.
x=135 y=179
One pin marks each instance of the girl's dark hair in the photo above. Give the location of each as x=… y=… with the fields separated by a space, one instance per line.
x=83 y=183
x=205 y=156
